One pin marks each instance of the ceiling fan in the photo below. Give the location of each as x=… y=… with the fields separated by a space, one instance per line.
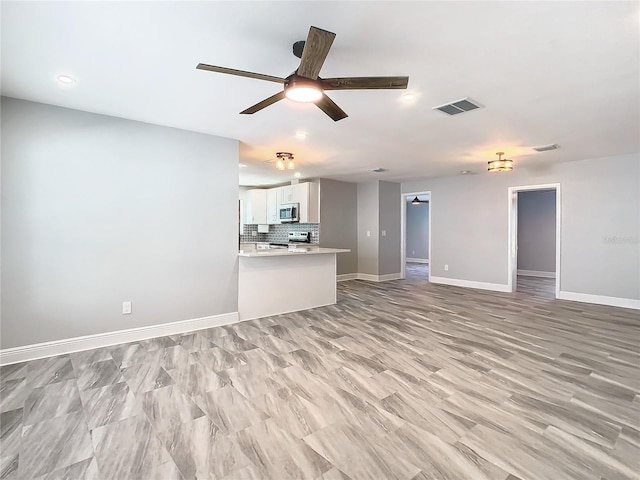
x=304 y=85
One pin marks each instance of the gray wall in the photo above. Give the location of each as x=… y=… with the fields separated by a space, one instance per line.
x=600 y=217
x=379 y=209
x=537 y=231
x=368 y=220
x=98 y=210
x=417 y=230
x=389 y=253
x=339 y=221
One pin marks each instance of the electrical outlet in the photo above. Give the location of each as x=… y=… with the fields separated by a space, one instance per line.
x=384 y=233
x=413 y=252
x=368 y=233
x=446 y=267
x=126 y=308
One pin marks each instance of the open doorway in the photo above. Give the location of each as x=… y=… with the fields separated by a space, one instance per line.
x=416 y=235
x=534 y=239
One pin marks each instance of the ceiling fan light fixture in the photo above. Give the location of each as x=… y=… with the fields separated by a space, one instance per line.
x=303 y=90
x=500 y=165
x=303 y=93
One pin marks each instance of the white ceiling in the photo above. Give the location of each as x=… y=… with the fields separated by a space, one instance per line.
x=545 y=72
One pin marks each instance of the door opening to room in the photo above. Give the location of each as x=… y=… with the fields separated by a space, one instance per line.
x=535 y=239
x=416 y=231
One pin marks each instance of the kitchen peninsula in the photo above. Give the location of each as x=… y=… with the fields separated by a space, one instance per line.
x=274 y=281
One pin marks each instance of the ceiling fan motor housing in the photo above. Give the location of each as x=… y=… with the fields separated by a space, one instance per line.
x=298 y=47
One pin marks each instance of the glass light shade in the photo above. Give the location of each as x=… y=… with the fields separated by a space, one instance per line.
x=303 y=93
x=500 y=166
x=280 y=164
x=291 y=165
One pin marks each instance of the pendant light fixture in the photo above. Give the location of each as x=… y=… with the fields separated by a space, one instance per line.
x=500 y=165
x=285 y=161
x=417 y=201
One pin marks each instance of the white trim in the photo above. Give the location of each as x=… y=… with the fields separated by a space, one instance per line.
x=496 y=287
x=403 y=229
x=535 y=273
x=512 y=254
x=89 y=342
x=346 y=276
x=600 y=300
x=379 y=278
x=418 y=260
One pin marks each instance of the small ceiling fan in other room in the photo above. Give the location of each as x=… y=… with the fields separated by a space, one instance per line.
x=304 y=85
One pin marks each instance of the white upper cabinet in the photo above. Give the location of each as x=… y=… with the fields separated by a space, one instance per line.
x=307 y=195
x=273 y=206
x=256 y=206
x=286 y=194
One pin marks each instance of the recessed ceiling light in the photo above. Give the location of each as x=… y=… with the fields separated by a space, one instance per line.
x=242 y=165
x=65 y=79
x=408 y=97
x=301 y=134
x=465 y=172
x=297 y=174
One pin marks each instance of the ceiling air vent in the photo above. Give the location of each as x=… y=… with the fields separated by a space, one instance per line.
x=459 y=106
x=546 y=148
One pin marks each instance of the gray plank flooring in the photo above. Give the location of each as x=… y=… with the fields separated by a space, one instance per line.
x=399 y=380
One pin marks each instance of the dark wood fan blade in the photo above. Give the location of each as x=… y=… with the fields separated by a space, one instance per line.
x=364 y=83
x=264 y=103
x=315 y=52
x=239 y=73
x=329 y=107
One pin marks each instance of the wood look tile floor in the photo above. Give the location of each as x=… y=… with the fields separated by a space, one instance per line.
x=399 y=380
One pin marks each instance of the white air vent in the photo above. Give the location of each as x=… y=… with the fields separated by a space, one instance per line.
x=458 y=106
x=546 y=148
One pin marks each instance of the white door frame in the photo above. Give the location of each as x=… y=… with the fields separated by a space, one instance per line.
x=403 y=230
x=513 y=232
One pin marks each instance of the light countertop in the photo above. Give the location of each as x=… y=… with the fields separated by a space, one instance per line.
x=297 y=250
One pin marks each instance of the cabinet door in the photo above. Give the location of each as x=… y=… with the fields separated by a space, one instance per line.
x=256 y=206
x=301 y=196
x=273 y=205
x=286 y=194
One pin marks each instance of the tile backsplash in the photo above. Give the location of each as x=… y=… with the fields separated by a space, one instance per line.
x=280 y=233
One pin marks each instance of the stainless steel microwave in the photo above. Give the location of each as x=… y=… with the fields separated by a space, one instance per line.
x=289 y=213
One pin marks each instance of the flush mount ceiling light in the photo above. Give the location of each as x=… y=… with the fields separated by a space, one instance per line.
x=285 y=161
x=66 y=79
x=500 y=165
x=417 y=201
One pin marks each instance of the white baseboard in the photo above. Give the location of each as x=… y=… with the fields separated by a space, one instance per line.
x=600 y=300
x=346 y=276
x=89 y=342
x=368 y=277
x=379 y=278
x=418 y=260
x=496 y=287
x=536 y=273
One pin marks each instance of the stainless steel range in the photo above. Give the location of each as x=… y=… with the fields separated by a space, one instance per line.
x=299 y=237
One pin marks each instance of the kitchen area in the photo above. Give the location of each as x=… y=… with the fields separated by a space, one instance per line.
x=282 y=267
